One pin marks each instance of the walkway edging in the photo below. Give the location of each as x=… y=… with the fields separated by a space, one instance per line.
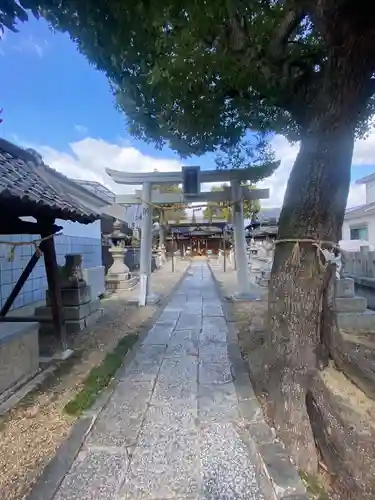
x=56 y=469
x=279 y=477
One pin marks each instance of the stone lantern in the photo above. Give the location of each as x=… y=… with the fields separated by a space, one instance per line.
x=118 y=273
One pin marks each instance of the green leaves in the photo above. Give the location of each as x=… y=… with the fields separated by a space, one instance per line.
x=170 y=212
x=224 y=211
x=196 y=76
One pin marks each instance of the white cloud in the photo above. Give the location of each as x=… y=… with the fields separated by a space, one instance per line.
x=32 y=45
x=89 y=157
x=364 y=154
x=81 y=129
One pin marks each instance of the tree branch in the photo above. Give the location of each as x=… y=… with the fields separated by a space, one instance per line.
x=291 y=21
x=236 y=29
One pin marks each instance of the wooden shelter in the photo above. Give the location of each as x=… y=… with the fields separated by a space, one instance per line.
x=264 y=225
x=29 y=188
x=199 y=237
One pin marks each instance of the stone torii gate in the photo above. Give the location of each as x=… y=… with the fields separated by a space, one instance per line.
x=191 y=178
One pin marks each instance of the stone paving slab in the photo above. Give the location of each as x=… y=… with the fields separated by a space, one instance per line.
x=217 y=403
x=174 y=425
x=119 y=424
x=164 y=423
x=146 y=364
x=212 y=309
x=160 y=333
x=94 y=475
x=187 y=321
x=167 y=470
x=228 y=471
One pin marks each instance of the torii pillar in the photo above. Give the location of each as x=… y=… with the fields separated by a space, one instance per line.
x=145 y=268
x=242 y=268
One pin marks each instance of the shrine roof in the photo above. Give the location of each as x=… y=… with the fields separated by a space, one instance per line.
x=184 y=226
x=28 y=187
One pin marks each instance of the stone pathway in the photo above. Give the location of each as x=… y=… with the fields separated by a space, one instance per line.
x=171 y=429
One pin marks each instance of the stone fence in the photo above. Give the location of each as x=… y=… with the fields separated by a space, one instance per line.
x=361 y=267
x=361 y=264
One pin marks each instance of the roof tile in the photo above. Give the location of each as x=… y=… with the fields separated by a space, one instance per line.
x=27 y=182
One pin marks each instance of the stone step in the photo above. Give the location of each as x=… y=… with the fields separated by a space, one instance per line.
x=73 y=296
x=344 y=288
x=357 y=321
x=73 y=326
x=70 y=313
x=350 y=304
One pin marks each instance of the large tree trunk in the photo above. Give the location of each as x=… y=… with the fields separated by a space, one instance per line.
x=314 y=208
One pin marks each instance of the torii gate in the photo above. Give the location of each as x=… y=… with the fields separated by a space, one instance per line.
x=191 y=178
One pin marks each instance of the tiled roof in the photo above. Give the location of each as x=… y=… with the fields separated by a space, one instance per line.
x=28 y=187
x=365 y=180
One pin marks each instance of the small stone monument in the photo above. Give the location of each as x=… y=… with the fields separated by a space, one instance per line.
x=79 y=311
x=351 y=309
x=118 y=274
x=162 y=259
x=220 y=256
x=267 y=260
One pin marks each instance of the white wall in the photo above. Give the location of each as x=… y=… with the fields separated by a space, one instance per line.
x=81 y=230
x=370 y=192
x=368 y=220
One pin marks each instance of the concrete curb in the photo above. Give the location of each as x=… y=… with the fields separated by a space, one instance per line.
x=56 y=469
x=279 y=478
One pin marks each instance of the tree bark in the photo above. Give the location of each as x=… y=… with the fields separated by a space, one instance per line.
x=314 y=208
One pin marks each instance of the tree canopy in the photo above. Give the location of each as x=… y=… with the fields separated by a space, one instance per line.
x=199 y=75
x=169 y=211
x=223 y=210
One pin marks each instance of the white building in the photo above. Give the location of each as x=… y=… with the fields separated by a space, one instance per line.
x=359 y=222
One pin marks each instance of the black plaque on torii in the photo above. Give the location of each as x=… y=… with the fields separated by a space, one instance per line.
x=191 y=184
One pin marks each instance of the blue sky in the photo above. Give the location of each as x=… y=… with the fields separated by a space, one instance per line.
x=51 y=88
x=52 y=98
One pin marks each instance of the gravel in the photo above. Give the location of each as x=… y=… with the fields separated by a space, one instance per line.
x=32 y=431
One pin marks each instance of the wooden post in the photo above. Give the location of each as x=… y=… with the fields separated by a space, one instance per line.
x=48 y=248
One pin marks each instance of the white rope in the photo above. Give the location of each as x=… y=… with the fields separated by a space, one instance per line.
x=15 y=244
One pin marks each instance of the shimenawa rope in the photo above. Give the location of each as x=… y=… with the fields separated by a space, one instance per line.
x=36 y=243
x=295 y=257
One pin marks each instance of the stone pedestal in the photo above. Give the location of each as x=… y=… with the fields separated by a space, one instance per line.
x=118 y=274
x=264 y=278
x=351 y=309
x=79 y=311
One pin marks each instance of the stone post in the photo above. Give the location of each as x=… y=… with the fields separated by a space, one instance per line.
x=146 y=246
x=243 y=279
x=162 y=230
